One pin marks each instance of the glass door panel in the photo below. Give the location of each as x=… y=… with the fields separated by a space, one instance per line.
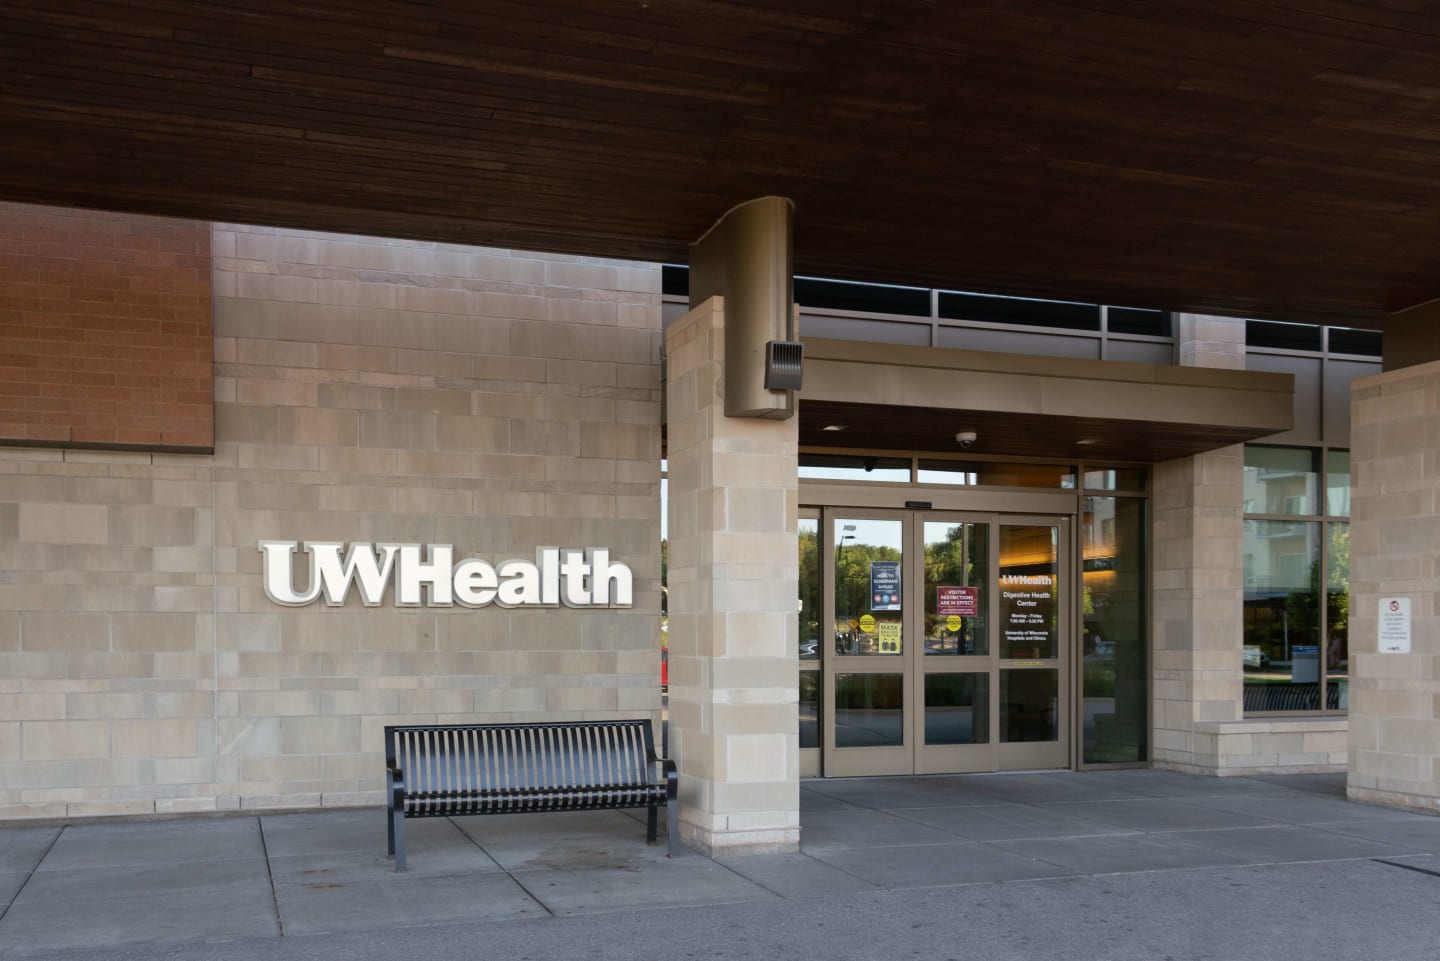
x=1029 y=592
x=1029 y=705
x=957 y=709
x=868 y=686
x=869 y=710
x=1032 y=625
x=869 y=615
x=955 y=666
x=957 y=562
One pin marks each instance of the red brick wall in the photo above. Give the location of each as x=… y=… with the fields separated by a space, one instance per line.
x=105 y=334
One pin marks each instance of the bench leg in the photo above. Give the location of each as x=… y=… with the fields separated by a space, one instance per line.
x=672 y=825
x=389 y=833
x=650 y=825
x=397 y=831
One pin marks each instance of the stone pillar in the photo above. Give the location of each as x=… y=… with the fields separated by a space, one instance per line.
x=733 y=584
x=1395 y=552
x=1198 y=504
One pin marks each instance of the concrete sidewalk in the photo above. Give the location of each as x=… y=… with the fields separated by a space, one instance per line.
x=971 y=861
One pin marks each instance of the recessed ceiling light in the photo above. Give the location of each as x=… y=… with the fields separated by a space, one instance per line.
x=1086 y=441
x=834 y=427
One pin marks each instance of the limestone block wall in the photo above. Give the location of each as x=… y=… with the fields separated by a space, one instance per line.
x=365 y=390
x=107 y=633
x=1395 y=552
x=1198 y=699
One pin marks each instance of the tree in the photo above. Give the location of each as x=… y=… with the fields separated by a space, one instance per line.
x=1337 y=597
x=809 y=586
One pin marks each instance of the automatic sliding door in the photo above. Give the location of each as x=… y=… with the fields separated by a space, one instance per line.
x=947 y=644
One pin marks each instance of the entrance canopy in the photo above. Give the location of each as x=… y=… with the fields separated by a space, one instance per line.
x=1247 y=158
x=913 y=398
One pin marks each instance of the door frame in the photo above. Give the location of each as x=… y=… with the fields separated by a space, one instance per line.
x=912 y=756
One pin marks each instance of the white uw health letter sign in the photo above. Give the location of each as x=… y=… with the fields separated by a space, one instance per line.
x=429 y=576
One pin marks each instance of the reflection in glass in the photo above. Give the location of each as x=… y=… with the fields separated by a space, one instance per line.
x=853 y=467
x=1281 y=653
x=1281 y=480
x=988 y=474
x=957 y=708
x=1337 y=614
x=869 y=710
x=1337 y=483
x=809 y=708
x=957 y=568
x=1123 y=479
x=868 y=592
x=1029 y=592
x=1114 y=674
x=809 y=606
x=1029 y=705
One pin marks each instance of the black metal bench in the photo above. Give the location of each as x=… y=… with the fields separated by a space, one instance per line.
x=1288 y=697
x=440 y=770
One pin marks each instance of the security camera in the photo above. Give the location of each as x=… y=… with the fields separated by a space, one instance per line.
x=966 y=439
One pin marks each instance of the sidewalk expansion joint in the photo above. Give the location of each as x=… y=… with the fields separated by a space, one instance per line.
x=1408 y=867
x=270 y=873
x=38 y=861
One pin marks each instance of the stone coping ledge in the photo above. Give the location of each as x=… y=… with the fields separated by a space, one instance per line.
x=1276 y=725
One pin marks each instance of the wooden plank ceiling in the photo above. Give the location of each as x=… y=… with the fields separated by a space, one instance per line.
x=1273 y=159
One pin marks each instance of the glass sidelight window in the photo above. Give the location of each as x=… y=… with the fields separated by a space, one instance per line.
x=1295 y=653
x=810 y=611
x=809 y=616
x=1114 y=668
x=810 y=709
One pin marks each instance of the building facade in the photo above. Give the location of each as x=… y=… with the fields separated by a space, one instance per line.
x=364 y=391
x=1102 y=573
